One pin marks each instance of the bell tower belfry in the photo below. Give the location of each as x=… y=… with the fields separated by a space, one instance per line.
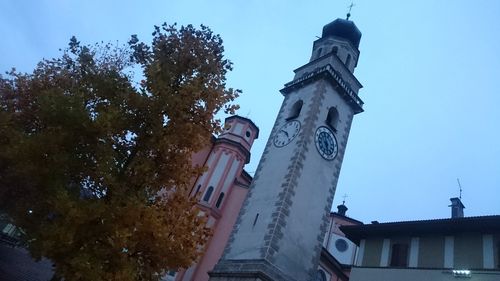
x=279 y=232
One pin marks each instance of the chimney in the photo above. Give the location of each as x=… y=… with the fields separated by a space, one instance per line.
x=341 y=209
x=457 y=208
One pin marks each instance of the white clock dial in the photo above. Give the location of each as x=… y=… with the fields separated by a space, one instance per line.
x=326 y=143
x=286 y=133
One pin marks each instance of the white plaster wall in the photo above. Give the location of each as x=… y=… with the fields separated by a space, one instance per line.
x=346 y=257
x=488 y=251
x=414 y=245
x=317 y=176
x=361 y=252
x=237 y=128
x=231 y=176
x=384 y=256
x=448 y=251
x=264 y=192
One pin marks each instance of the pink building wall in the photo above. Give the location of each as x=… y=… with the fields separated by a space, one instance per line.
x=222 y=190
x=222 y=231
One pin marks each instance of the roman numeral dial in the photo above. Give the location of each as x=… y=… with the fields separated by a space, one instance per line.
x=326 y=143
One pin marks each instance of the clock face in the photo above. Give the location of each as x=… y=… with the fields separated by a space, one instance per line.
x=326 y=143
x=286 y=133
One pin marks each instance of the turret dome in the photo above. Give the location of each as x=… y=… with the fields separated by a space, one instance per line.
x=344 y=29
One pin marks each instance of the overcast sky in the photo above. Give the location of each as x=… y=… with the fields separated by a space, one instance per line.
x=430 y=71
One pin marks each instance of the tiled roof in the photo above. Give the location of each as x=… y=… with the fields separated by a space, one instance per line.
x=448 y=226
x=345 y=218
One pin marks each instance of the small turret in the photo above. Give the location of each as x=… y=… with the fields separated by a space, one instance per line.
x=342 y=209
x=240 y=132
x=230 y=151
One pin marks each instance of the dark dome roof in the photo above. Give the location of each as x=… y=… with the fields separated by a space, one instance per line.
x=343 y=28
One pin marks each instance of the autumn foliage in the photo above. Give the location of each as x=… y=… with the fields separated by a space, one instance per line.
x=95 y=158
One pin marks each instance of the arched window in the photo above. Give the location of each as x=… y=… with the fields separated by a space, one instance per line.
x=295 y=111
x=348 y=61
x=208 y=193
x=335 y=49
x=219 y=200
x=319 y=52
x=332 y=118
x=320 y=276
x=197 y=189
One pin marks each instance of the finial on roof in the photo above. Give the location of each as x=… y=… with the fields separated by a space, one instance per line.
x=343 y=201
x=460 y=189
x=349 y=12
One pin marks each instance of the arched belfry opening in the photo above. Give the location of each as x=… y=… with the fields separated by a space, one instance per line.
x=332 y=118
x=348 y=61
x=335 y=50
x=295 y=110
x=319 y=52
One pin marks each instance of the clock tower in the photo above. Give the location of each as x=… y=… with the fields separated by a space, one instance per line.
x=280 y=228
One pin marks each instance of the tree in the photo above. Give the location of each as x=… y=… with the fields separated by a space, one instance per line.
x=96 y=168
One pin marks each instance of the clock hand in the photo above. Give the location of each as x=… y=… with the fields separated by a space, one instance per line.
x=286 y=133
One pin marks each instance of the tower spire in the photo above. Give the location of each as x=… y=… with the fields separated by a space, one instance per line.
x=349 y=12
x=276 y=224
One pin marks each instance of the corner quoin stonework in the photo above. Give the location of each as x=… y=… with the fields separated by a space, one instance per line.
x=252 y=185
x=286 y=196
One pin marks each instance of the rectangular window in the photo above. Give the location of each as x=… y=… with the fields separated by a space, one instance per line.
x=399 y=255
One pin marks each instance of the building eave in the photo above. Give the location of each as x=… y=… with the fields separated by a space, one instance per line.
x=449 y=226
x=335 y=214
x=237 y=145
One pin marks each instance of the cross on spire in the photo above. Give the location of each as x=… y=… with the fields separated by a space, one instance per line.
x=343 y=201
x=350 y=8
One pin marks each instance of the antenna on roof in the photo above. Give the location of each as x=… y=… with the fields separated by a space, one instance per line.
x=349 y=12
x=460 y=188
